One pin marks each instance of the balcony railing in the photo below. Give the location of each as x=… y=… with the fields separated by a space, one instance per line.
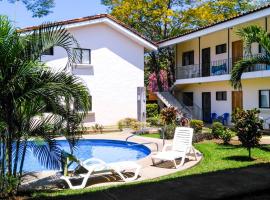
x=215 y=68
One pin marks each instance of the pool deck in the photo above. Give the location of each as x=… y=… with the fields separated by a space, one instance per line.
x=48 y=180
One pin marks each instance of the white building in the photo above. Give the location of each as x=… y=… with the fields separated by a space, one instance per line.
x=204 y=59
x=112 y=66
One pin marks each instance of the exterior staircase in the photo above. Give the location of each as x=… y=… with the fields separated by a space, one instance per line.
x=170 y=101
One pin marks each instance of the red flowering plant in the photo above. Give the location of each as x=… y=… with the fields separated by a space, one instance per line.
x=153 y=85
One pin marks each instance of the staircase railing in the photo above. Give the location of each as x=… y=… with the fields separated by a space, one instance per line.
x=169 y=100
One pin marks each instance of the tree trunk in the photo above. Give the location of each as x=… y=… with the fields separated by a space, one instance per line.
x=9 y=152
x=9 y=138
x=172 y=65
x=156 y=69
x=16 y=159
x=23 y=157
x=249 y=153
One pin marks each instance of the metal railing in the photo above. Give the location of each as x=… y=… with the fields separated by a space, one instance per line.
x=143 y=143
x=215 y=68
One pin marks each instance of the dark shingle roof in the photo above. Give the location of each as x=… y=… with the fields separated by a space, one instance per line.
x=219 y=22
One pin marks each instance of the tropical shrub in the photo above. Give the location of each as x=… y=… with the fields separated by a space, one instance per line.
x=199 y=137
x=168 y=115
x=226 y=135
x=154 y=121
x=169 y=130
x=217 y=129
x=136 y=125
x=98 y=128
x=247 y=125
x=126 y=123
x=8 y=186
x=151 y=110
x=197 y=125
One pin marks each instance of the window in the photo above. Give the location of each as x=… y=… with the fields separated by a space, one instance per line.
x=48 y=52
x=264 y=98
x=221 y=96
x=83 y=56
x=259 y=48
x=221 y=48
x=188 y=98
x=188 y=58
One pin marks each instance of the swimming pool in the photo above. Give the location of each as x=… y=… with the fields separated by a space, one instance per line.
x=107 y=150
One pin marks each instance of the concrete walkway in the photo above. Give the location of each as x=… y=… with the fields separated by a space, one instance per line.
x=48 y=180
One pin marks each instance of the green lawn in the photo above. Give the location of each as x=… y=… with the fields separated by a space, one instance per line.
x=216 y=158
x=151 y=135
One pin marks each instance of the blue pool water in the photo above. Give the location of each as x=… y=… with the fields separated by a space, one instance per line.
x=107 y=150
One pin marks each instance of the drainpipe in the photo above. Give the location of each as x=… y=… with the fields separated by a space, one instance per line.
x=199 y=56
x=175 y=61
x=228 y=50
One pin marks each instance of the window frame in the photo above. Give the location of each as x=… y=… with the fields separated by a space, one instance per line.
x=189 y=53
x=260 y=49
x=260 y=106
x=186 y=96
x=222 y=48
x=223 y=96
x=81 y=55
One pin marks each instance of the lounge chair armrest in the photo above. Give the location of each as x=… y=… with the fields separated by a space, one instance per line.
x=166 y=146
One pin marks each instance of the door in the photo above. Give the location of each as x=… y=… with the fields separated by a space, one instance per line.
x=237 y=51
x=206 y=106
x=206 y=58
x=237 y=100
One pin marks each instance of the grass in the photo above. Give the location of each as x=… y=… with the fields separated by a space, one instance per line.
x=217 y=157
x=151 y=135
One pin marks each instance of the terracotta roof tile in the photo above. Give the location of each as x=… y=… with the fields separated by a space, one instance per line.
x=88 y=18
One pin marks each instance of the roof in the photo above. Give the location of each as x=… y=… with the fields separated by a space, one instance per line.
x=152 y=46
x=217 y=23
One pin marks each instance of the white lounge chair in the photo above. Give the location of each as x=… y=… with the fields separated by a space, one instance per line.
x=181 y=146
x=96 y=166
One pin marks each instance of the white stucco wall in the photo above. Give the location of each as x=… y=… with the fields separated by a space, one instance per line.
x=116 y=70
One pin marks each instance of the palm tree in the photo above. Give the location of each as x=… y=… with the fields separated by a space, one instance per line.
x=249 y=35
x=35 y=102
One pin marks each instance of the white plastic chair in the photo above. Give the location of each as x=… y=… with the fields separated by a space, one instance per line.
x=96 y=166
x=181 y=146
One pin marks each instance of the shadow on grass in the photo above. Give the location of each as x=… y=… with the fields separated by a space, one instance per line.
x=226 y=184
x=229 y=146
x=239 y=158
x=265 y=148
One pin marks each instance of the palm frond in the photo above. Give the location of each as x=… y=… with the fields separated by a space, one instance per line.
x=252 y=34
x=50 y=35
x=241 y=66
x=47 y=151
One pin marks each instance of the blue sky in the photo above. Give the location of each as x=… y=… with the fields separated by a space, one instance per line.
x=64 y=9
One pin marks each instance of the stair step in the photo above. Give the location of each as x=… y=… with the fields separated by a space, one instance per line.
x=169 y=100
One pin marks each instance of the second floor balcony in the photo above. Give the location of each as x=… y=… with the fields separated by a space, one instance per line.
x=214 y=68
